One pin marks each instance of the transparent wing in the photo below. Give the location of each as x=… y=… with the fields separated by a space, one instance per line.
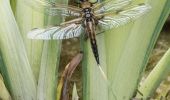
x=111 y=5
x=53 y=9
x=58 y=32
x=122 y=17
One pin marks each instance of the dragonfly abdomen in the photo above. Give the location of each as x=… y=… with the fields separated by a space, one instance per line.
x=95 y=49
x=90 y=30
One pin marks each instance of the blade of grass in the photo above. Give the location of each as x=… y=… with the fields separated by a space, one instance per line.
x=32 y=19
x=148 y=91
x=47 y=78
x=43 y=55
x=13 y=5
x=50 y=61
x=74 y=93
x=159 y=73
x=4 y=94
x=17 y=69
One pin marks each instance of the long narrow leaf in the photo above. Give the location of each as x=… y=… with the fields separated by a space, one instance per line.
x=4 y=94
x=154 y=79
x=18 y=71
x=31 y=19
x=74 y=93
x=47 y=82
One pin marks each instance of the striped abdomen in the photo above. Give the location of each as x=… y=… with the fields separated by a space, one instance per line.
x=90 y=30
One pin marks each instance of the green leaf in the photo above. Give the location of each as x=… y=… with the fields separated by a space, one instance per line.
x=157 y=75
x=4 y=94
x=47 y=82
x=74 y=93
x=17 y=70
x=32 y=19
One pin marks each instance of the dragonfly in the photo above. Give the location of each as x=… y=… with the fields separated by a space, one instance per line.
x=89 y=19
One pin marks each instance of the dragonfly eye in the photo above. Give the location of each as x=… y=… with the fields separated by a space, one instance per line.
x=94 y=2
x=79 y=1
x=83 y=0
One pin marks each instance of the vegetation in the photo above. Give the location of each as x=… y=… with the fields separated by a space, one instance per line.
x=30 y=67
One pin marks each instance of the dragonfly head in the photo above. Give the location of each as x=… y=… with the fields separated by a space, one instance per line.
x=86 y=4
x=89 y=1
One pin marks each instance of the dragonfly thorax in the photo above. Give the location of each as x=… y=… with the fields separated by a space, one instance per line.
x=88 y=15
x=87 y=12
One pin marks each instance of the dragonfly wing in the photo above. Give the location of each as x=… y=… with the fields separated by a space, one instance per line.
x=122 y=17
x=111 y=6
x=58 y=32
x=53 y=9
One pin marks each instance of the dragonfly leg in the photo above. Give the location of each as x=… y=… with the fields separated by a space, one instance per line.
x=76 y=21
x=97 y=18
x=86 y=37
